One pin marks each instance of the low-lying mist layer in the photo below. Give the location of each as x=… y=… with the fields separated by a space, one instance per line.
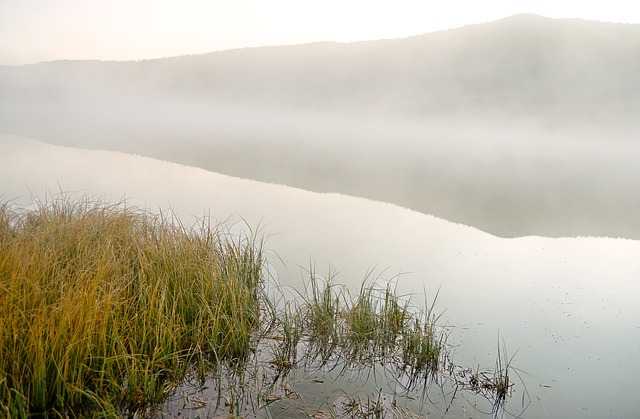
x=524 y=126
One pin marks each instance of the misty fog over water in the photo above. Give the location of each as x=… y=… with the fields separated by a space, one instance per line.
x=525 y=126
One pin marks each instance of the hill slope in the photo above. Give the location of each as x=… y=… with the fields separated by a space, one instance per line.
x=525 y=62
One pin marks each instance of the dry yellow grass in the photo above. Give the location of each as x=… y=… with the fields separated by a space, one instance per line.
x=105 y=307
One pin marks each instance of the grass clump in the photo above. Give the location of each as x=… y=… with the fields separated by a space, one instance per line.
x=375 y=327
x=108 y=307
x=374 y=322
x=321 y=316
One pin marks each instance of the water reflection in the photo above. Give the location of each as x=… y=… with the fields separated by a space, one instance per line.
x=567 y=306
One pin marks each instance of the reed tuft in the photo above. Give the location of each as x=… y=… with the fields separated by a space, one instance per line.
x=107 y=307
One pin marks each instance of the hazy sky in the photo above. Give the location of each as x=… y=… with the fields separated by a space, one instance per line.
x=41 y=30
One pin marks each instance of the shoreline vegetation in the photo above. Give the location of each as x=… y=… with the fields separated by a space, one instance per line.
x=109 y=310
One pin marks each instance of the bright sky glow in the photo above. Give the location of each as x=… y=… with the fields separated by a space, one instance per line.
x=42 y=30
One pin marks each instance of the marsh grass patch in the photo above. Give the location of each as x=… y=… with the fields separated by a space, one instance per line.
x=106 y=307
x=111 y=310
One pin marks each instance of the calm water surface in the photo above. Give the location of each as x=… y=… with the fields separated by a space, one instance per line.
x=565 y=308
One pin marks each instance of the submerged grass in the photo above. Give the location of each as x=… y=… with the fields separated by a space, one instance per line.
x=108 y=307
x=375 y=326
x=321 y=315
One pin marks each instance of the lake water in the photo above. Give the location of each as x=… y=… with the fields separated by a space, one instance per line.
x=567 y=308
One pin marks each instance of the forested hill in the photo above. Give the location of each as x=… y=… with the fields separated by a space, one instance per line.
x=524 y=63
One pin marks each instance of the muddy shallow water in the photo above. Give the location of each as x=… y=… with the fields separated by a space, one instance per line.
x=566 y=308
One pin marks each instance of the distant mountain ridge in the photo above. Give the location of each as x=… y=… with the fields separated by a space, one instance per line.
x=523 y=62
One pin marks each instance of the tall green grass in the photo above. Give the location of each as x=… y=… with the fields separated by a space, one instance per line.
x=106 y=308
x=374 y=326
x=374 y=322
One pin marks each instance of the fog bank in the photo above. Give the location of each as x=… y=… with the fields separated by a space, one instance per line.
x=524 y=126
